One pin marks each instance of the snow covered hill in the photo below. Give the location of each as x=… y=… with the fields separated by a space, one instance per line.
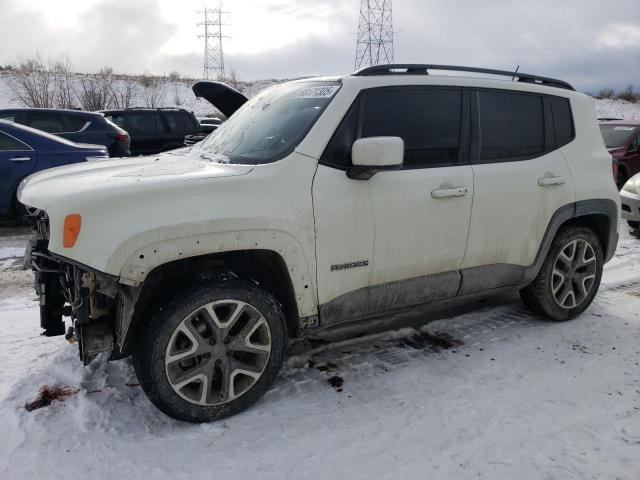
x=177 y=93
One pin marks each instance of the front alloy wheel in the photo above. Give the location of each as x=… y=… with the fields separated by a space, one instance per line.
x=212 y=350
x=218 y=352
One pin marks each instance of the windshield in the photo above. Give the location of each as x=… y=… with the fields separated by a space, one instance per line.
x=616 y=135
x=270 y=125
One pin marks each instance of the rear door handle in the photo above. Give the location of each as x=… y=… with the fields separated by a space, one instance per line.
x=20 y=159
x=449 y=192
x=550 y=181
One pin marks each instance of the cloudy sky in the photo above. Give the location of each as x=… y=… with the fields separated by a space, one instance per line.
x=591 y=43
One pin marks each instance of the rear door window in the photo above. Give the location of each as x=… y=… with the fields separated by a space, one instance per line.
x=179 y=122
x=143 y=123
x=8 y=116
x=511 y=126
x=51 y=122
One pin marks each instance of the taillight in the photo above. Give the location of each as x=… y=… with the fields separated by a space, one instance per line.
x=121 y=137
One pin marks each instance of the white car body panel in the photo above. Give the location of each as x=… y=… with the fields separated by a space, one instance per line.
x=506 y=231
x=143 y=212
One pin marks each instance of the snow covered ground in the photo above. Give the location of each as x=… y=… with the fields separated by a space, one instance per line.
x=485 y=391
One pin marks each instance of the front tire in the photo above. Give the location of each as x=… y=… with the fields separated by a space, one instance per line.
x=569 y=277
x=212 y=351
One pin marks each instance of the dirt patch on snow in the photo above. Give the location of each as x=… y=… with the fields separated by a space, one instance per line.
x=48 y=395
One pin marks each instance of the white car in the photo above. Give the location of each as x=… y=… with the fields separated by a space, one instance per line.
x=630 y=200
x=320 y=202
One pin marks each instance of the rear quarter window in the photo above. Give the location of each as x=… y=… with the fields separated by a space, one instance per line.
x=77 y=122
x=562 y=120
x=10 y=144
x=143 y=122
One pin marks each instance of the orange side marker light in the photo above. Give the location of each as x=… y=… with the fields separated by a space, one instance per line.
x=71 y=230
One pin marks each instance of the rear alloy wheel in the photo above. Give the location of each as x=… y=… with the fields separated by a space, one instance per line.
x=573 y=274
x=212 y=351
x=569 y=277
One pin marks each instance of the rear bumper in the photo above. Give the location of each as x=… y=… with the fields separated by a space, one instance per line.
x=630 y=205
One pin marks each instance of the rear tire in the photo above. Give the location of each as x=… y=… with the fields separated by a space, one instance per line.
x=569 y=277
x=212 y=351
x=633 y=224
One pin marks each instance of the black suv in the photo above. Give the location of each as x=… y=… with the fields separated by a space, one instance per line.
x=74 y=125
x=154 y=130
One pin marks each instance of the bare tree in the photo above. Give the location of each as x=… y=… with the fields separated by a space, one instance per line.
x=605 y=93
x=122 y=91
x=33 y=84
x=175 y=81
x=233 y=80
x=94 y=92
x=629 y=95
x=154 y=91
x=64 y=83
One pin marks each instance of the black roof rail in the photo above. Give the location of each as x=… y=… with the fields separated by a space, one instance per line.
x=423 y=69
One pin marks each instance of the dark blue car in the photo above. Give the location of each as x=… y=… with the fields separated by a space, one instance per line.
x=74 y=125
x=25 y=150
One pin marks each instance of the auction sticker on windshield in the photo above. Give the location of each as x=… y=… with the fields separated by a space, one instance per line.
x=325 y=91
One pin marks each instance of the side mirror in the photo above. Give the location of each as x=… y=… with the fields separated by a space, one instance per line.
x=375 y=154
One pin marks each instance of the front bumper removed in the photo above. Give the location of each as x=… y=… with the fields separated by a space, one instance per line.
x=66 y=289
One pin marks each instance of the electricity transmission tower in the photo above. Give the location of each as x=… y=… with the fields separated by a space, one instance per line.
x=375 y=34
x=213 y=54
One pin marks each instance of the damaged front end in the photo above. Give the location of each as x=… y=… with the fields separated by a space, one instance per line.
x=95 y=302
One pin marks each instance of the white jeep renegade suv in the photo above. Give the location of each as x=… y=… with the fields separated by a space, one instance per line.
x=320 y=202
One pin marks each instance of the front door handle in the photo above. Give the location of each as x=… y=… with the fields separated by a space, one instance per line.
x=449 y=192
x=20 y=159
x=550 y=181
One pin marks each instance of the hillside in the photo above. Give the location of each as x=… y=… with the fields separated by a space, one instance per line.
x=176 y=92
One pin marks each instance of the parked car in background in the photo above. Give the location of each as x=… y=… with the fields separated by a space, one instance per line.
x=630 y=202
x=74 y=125
x=154 y=130
x=25 y=150
x=622 y=138
x=209 y=121
x=202 y=133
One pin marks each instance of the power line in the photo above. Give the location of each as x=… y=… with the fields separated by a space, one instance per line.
x=213 y=51
x=375 y=34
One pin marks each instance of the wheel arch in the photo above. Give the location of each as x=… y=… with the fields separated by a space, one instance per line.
x=601 y=215
x=266 y=268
